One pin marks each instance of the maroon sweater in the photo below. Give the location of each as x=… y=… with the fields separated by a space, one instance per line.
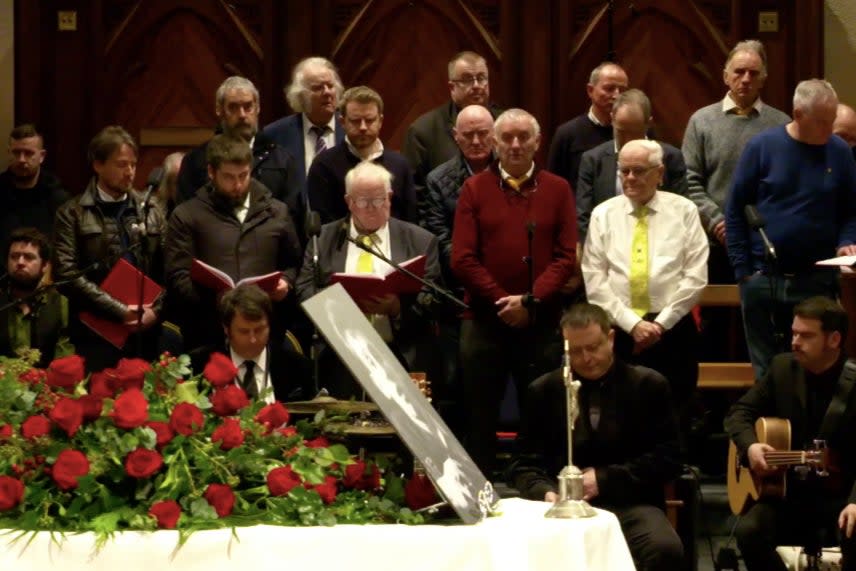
x=489 y=241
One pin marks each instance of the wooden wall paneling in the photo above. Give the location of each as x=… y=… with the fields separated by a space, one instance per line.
x=401 y=49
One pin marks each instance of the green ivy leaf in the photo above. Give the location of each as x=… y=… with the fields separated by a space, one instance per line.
x=201 y=509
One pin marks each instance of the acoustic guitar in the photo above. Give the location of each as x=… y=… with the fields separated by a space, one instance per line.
x=745 y=487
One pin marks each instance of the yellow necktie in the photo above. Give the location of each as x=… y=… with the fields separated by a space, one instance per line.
x=639 y=301
x=365 y=261
x=516 y=183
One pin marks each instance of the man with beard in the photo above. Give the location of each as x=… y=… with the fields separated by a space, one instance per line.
x=108 y=221
x=29 y=194
x=237 y=108
x=236 y=226
x=39 y=318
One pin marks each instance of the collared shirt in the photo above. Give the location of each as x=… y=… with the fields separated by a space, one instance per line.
x=260 y=372
x=241 y=211
x=677 y=258
x=730 y=106
x=505 y=176
x=381 y=243
x=104 y=197
x=309 y=138
x=377 y=152
x=593 y=118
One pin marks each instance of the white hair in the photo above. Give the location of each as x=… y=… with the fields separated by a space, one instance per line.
x=655 y=151
x=812 y=92
x=296 y=92
x=513 y=114
x=368 y=171
x=238 y=83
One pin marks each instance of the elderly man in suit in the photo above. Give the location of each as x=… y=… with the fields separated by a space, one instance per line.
x=599 y=178
x=402 y=321
x=314 y=94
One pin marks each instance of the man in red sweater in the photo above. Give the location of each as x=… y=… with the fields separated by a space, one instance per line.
x=509 y=219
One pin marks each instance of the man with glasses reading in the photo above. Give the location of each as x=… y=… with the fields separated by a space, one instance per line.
x=429 y=141
x=645 y=263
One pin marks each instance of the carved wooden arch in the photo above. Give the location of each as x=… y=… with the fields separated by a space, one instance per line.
x=384 y=46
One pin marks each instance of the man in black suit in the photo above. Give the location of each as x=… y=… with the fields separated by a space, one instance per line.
x=314 y=94
x=811 y=387
x=237 y=107
x=402 y=321
x=429 y=141
x=625 y=440
x=246 y=313
x=599 y=179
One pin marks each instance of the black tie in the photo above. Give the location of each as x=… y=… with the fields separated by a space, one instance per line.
x=250 y=386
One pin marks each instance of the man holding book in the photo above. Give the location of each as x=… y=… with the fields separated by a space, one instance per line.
x=109 y=222
x=237 y=227
x=401 y=319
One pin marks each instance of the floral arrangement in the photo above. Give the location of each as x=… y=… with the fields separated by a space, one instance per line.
x=146 y=446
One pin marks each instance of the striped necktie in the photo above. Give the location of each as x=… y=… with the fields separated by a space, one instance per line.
x=320 y=143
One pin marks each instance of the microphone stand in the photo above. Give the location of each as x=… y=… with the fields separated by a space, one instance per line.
x=143 y=232
x=570 y=504
x=316 y=338
x=443 y=293
x=530 y=302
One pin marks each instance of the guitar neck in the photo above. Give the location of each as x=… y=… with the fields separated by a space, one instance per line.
x=786 y=458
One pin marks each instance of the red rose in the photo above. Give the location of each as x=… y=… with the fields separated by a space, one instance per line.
x=318 y=442
x=229 y=434
x=69 y=466
x=11 y=492
x=35 y=426
x=419 y=492
x=166 y=512
x=142 y=463
x=92 y=406
x=221 y=497
x=220 y=370
x=5 y=431
x=228 y=400
x=130 y=373
x=67 y=414
x=356 y=476
x=281 y=480
x=273 y=416
x=186 y=418
x=101 y=384
x=130 y=409
x=65 y=372
x=327 y=490
x=163 y=432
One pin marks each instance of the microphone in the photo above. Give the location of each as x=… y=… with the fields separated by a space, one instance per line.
x=154 y=181
x=343 y=233
x=757 y=223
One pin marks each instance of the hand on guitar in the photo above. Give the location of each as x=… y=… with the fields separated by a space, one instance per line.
x=847 y=519
x=757 y=458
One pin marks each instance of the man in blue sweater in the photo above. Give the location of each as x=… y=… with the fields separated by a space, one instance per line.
x=802 y=180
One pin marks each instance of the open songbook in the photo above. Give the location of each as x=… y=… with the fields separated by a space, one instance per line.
x=365 y=286
x=220 y=281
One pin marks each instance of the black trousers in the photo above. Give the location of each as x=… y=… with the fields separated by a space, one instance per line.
x=804 y=521
x=675 y=357
x=491 y=352
x=653 y=543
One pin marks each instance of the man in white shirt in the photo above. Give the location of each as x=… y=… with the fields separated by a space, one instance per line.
x=402 y=321
x=645 y=263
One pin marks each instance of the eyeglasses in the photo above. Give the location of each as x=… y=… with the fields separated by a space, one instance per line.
x=470 y=81
x=637 y=171
x=364 y=202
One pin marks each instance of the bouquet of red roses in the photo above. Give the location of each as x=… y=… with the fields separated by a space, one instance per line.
x=146 y=446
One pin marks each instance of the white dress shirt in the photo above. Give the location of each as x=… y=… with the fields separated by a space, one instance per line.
x=677 y=258
x=242 y=209
x=381 y=243
x=260 y=372
x=309 y=139
x=729 y=105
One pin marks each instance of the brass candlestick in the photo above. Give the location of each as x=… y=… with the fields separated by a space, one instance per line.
x=570 y=504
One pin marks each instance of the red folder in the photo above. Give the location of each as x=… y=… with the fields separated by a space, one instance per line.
x=123 y=283
x=365 y=286
x=208 y=276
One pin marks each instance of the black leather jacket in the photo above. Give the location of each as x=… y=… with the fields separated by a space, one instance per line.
x=83 y=235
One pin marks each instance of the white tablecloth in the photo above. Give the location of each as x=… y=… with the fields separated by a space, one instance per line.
x=521 y=539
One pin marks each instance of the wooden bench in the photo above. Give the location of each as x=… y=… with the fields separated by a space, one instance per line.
x=725 y=375
x=720 y=296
